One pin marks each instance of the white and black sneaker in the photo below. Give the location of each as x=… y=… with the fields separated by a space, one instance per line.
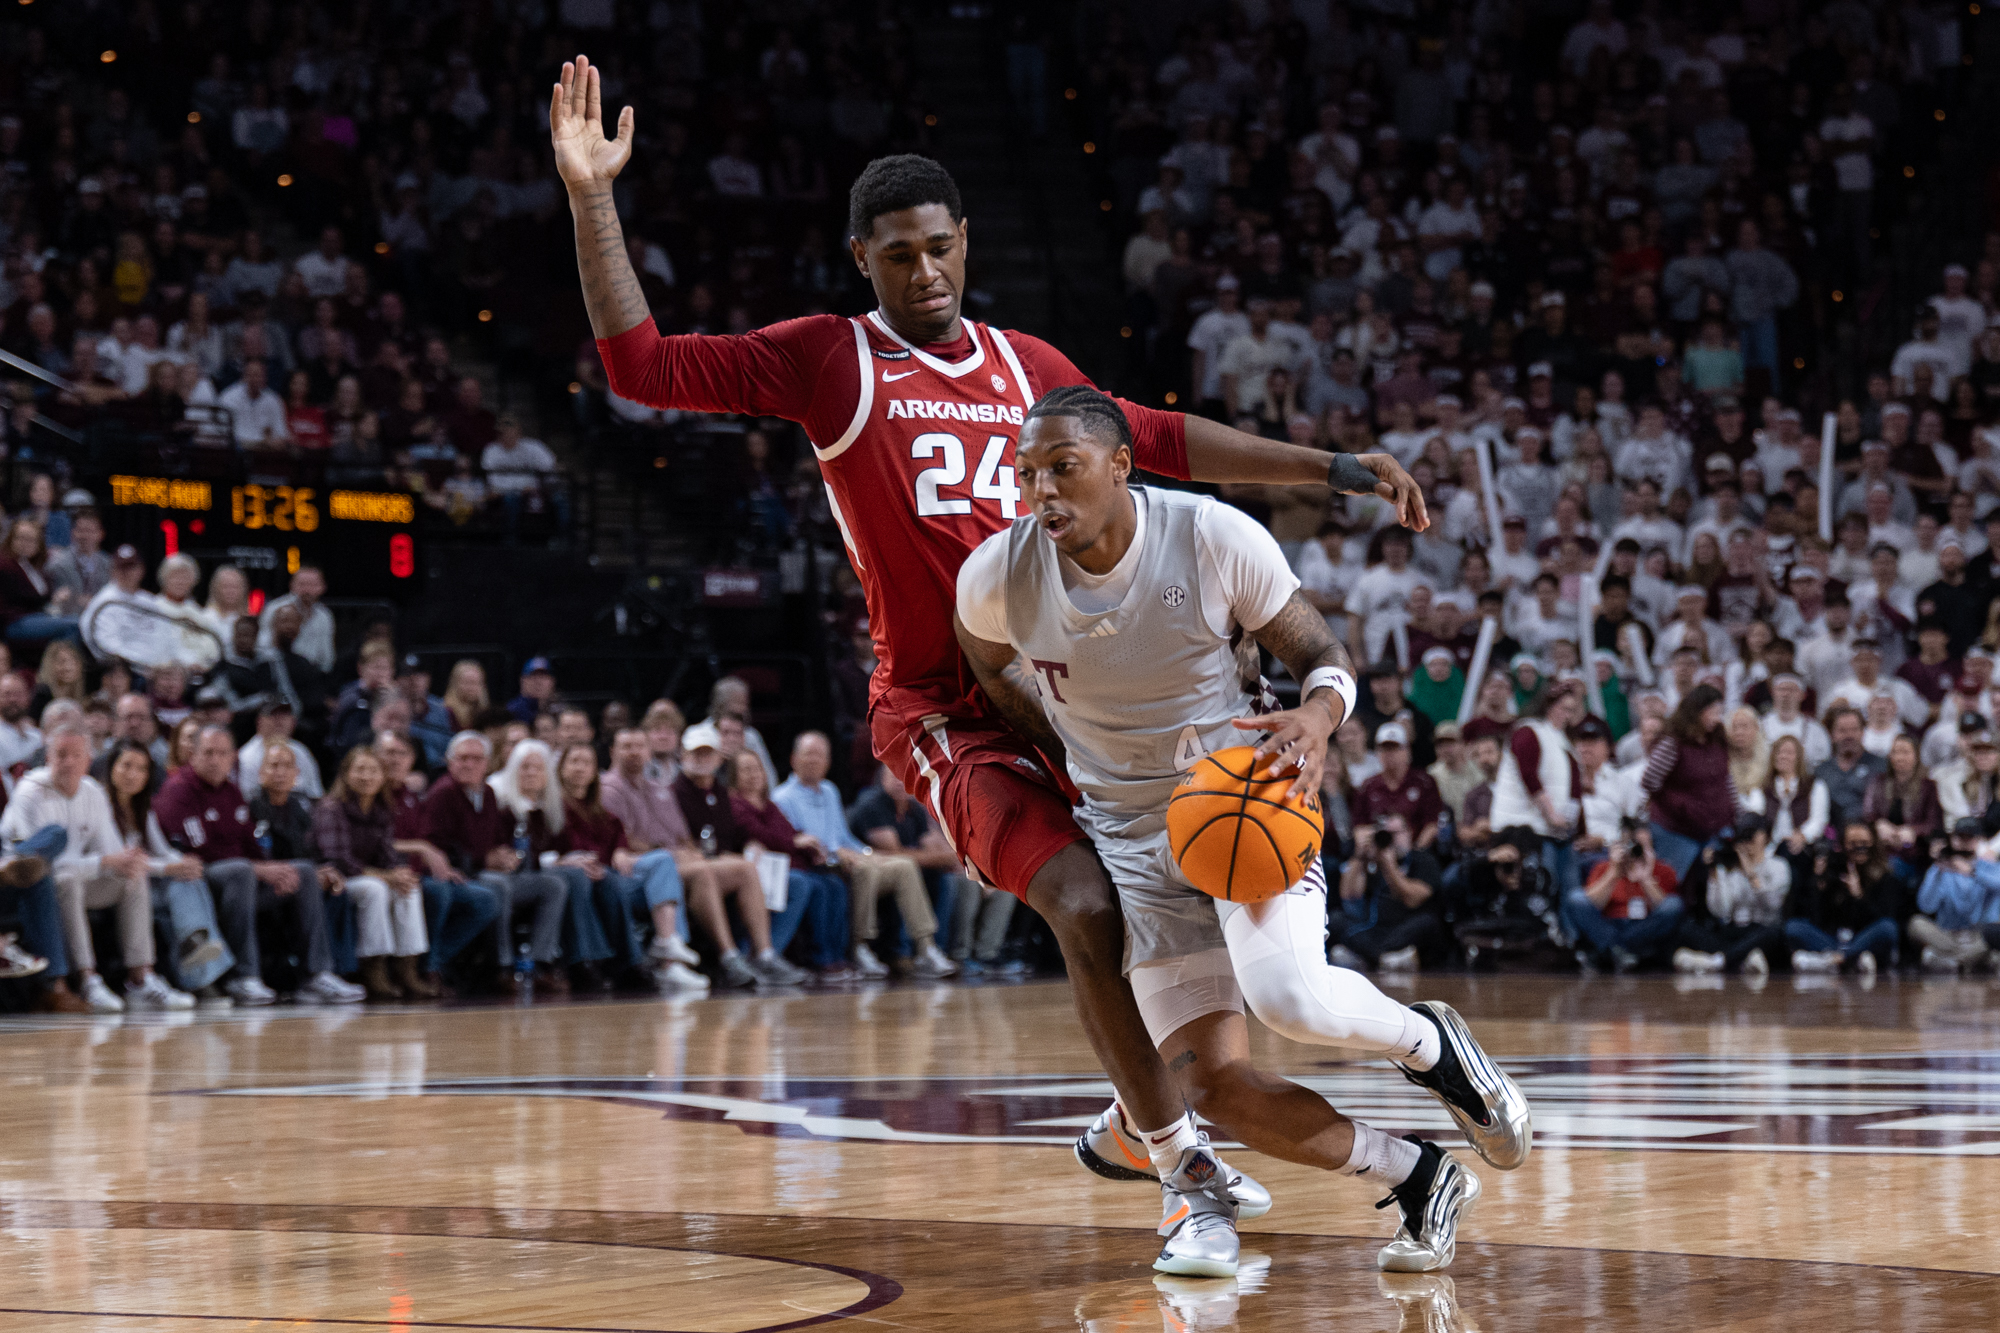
x=1431 y=1203
x=1111 y=1149
x=1488 y=1109
x=1198 y=1219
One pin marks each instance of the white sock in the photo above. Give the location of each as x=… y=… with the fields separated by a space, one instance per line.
x=1421 y=1039
x=1165 y=1146
x=1383 y=1158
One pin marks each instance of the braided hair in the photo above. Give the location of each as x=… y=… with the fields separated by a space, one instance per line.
x=1098 y=411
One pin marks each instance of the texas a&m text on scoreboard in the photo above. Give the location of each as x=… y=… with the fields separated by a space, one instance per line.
x=365 y=540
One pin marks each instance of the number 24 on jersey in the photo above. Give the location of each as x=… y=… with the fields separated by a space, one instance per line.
x=992 y=481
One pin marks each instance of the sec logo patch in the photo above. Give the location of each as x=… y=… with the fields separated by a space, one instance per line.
x=1174 y=595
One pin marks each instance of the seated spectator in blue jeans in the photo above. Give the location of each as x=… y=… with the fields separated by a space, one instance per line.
x=532 y=801
x=25 y=589
x=196 y=958
x=652 y=828
x=597 y=862
x=1843 y=912
x=1960 y=896
x=1629 y=911
x=1388 y=911
x=28 y=890
x=890 y=822
x=810 y=886
x=457 y=910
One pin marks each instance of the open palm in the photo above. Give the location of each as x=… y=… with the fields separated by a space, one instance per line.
x=576 y=128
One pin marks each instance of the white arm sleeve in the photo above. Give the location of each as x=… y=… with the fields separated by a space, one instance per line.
x=1244 y=578
x=982 y=590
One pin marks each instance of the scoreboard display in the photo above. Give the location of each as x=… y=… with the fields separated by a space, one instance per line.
x=365 y=540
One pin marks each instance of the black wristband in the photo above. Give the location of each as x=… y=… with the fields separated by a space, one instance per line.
x=1349 y=476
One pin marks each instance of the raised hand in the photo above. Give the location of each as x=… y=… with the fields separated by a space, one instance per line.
x=1397 y=485
x=584 y=156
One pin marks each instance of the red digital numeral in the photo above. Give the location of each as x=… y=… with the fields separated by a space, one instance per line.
x=402 y=555
x=170 y=534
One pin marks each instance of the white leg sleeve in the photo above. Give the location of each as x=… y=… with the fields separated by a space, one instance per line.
x=1278 y=950
x=371 y=916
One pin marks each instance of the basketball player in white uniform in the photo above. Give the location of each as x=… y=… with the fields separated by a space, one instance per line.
x=1127 y=605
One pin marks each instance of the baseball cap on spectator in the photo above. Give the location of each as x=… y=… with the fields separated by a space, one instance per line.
x=536 y=666
x=127 y=557
x=1527 y=433
x=1895 y=409
x=1541 y=370
x=1554 y=298
x=1591 y=729
x=1875 y=447
x=1691 y=590
x=1437 y=654
x=1227 y=283
x=1787 y=678
x=1788 y=414
x=273 y=707
x=1727 y=403
x=1970 y=722
x=1721 y=463
x=1389 y=733
x=1949 y=538
x=410 y=665
x=1447 y=400
x=1446 y=731
x=1955 y=271
x=196 y=191
x=1482 y=288
x=90 y=185
x=1967 y=828
x=1806 y=572
x=1514 y=521
x=1865 y=644
x=1387 y=132
x=701 y=736
x=76 y=497
x=1513 y=405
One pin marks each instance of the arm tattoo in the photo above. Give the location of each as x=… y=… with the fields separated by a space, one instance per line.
x=1007 y=684
x=1298 y=637
x=611 y=292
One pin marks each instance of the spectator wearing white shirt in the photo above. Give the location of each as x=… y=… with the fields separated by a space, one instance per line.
x=1446 y=226
x=1325 y=574
x=1882 y=602
x=1653 y=452
x=256 y=414
x=1599 y=31
x=1381 y=596
x=1249 y=359
x=1868 y=681
x=1538 y=621
x=1692 y=627
x=1646 y=525
x=1961 y=318
x=1788 y=692
x=1213 y=331
x=275 y=721
x=514 y=464
x=325 y=269
x=1927 y=348
x=315 y=640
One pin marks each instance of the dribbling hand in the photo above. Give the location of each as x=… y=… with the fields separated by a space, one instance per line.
x=584 y=156
x=1296 y=744
x=1397 y=486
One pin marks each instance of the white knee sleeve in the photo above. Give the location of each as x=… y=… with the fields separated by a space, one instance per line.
x=1278 y=950
x=1173 y=992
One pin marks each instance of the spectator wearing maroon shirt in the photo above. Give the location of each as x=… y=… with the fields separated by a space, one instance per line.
x=1687 y=779
x=809 y=885
x=710 y=816
x=466 y=822
x=1932 y=672
x=456 y=909
x=202 y=812
x=1399 y=789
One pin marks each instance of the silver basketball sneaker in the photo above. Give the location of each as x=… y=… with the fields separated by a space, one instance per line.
x=1111 y=1149
x=1488 y=1109
x=1198 y=1219
x=1431 y=1202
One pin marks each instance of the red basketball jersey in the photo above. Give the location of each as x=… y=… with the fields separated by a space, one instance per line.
x=916 y=445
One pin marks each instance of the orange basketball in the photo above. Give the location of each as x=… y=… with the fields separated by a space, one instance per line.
x=1236 y=837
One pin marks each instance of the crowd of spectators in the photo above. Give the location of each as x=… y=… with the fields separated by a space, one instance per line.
x=306 y=819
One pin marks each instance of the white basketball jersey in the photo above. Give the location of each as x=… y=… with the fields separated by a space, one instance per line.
x=1138 y=693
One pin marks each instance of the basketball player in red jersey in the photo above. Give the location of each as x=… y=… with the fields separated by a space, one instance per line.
x=913 y=412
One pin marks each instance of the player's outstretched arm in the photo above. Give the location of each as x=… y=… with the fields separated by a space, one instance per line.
x=993 y=663
x=588 y=162
x=1296 y=740
x=1218 y=453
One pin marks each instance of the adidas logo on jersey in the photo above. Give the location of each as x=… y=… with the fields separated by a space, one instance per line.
x=1104 y=631
x=930 y=410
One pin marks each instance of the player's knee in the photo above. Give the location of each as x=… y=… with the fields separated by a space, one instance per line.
x=1217 y=1092
x=1075 y=897
x=1284 y=1002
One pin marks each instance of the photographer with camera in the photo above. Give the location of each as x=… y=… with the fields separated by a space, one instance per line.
x=1628 y=912
x=1844 y=912
x=1956 y=904
x=1747 y=890
x=1388 y=915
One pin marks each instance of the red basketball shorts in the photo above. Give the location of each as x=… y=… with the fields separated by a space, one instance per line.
x=998 y=804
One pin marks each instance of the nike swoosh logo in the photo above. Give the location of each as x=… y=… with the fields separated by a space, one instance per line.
x=887 y=378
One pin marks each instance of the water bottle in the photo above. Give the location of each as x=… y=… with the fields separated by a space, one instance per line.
x=521 y=845
x=262 y=835
x=524 y=972
x=709 y=845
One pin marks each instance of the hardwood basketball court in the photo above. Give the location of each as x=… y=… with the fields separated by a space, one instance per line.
x=1811 y=1154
